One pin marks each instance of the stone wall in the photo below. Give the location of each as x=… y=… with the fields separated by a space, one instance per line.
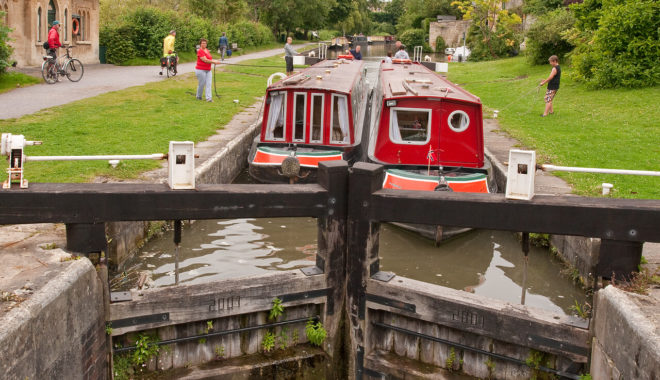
x=30 y=30
x=451 y=32
x=626 y=344
x=59 y=331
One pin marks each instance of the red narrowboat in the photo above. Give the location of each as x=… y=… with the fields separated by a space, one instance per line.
x=428 y=133
x=315 y=115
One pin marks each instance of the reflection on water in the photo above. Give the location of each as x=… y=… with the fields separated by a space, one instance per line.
x=484 y=262
x=488 y=263
x=218 y=249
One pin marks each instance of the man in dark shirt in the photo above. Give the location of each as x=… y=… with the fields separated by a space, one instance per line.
x=356 y=53
x=553 y=85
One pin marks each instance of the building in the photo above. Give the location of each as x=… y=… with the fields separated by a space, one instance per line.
x=30 y=21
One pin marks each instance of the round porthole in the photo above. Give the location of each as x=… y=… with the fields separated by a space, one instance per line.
x=458 y=121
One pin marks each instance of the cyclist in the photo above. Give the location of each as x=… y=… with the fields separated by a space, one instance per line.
x=54 y=39
x=168 y=49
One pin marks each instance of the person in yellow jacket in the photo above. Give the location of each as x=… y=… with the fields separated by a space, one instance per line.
x=168 y=48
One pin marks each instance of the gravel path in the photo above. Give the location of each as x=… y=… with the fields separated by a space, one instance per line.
x=98 y=79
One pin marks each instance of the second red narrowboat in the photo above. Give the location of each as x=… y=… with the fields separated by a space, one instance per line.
x=313 y=116
x=428 y=133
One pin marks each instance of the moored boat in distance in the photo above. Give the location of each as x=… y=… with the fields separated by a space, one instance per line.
x=428 y=133
x=338 y=43
x=313 y=116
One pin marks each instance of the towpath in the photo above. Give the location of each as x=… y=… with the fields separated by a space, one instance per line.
x=97 y=79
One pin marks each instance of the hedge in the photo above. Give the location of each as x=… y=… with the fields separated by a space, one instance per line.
x=141 y=34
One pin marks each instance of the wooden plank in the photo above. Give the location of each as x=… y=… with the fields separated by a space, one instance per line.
x=93 y=203
x=397 y=88
x=606 y=218
x=516 y=324
x=200 y=302
x=407 y=87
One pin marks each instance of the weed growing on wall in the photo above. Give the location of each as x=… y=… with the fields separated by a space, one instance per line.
x=315 y=332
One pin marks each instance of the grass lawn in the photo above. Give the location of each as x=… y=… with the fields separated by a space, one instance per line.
x=9 y=81
x=616 y=128
x=138 y=120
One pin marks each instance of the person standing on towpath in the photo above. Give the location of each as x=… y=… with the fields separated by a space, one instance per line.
x=289 y=52
x=553 y=85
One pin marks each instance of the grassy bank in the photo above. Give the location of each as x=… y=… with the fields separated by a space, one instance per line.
x=139 y=120
x=590 y=128
x=10 y=81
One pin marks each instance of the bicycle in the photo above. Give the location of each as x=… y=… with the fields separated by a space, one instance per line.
x=169 y=62
x=70 y=67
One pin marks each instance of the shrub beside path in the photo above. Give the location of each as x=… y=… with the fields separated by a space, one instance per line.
x=97 y=79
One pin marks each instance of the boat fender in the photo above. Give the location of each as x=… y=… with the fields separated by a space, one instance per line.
x=401 y=61
x=344 y=56
x=291 y=167
x=443 y=185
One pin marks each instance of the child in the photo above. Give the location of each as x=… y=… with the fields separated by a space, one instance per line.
x=553 y=85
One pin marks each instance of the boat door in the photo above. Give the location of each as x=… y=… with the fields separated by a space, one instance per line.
x=460 y=141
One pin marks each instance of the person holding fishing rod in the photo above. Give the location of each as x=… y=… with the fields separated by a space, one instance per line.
x=203 y=70
x=553 y=85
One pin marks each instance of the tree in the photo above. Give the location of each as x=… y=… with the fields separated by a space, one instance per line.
x=494 y=32
x=541 y=7
x=547 y=37
x=357 y=19
x=5 y=48
x=230 y=11
x=418 y=10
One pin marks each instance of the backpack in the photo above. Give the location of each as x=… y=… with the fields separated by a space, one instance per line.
x=46 y=45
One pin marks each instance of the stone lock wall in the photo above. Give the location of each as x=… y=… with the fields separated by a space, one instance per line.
x=451 y=32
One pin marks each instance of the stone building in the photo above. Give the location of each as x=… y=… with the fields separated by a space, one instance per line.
x=30 y=21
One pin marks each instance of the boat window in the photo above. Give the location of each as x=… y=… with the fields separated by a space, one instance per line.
x=299 y=112
x=317 y=118
x=458 y=121
x=410 y=125
x=340 y=130
x=276 y=118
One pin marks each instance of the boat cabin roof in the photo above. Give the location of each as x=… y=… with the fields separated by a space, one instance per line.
x=331 y=75
x=414 y=79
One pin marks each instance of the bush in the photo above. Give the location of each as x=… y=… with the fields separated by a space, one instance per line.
x=625 y=49
x=119 y=48
x=149 y=26
x=440 y=44
x=5 y=49
x=546 y=37
x=413 y=37
x=141 y=34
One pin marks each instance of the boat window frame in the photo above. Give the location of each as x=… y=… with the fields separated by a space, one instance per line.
x=332 y=121
x=311 y=117
x=428 y=127
x=462 y=128
x=283 y=109
x=293 y=122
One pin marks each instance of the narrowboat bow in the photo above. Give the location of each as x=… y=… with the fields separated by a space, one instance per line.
x=313 y=116
x=428 y=133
